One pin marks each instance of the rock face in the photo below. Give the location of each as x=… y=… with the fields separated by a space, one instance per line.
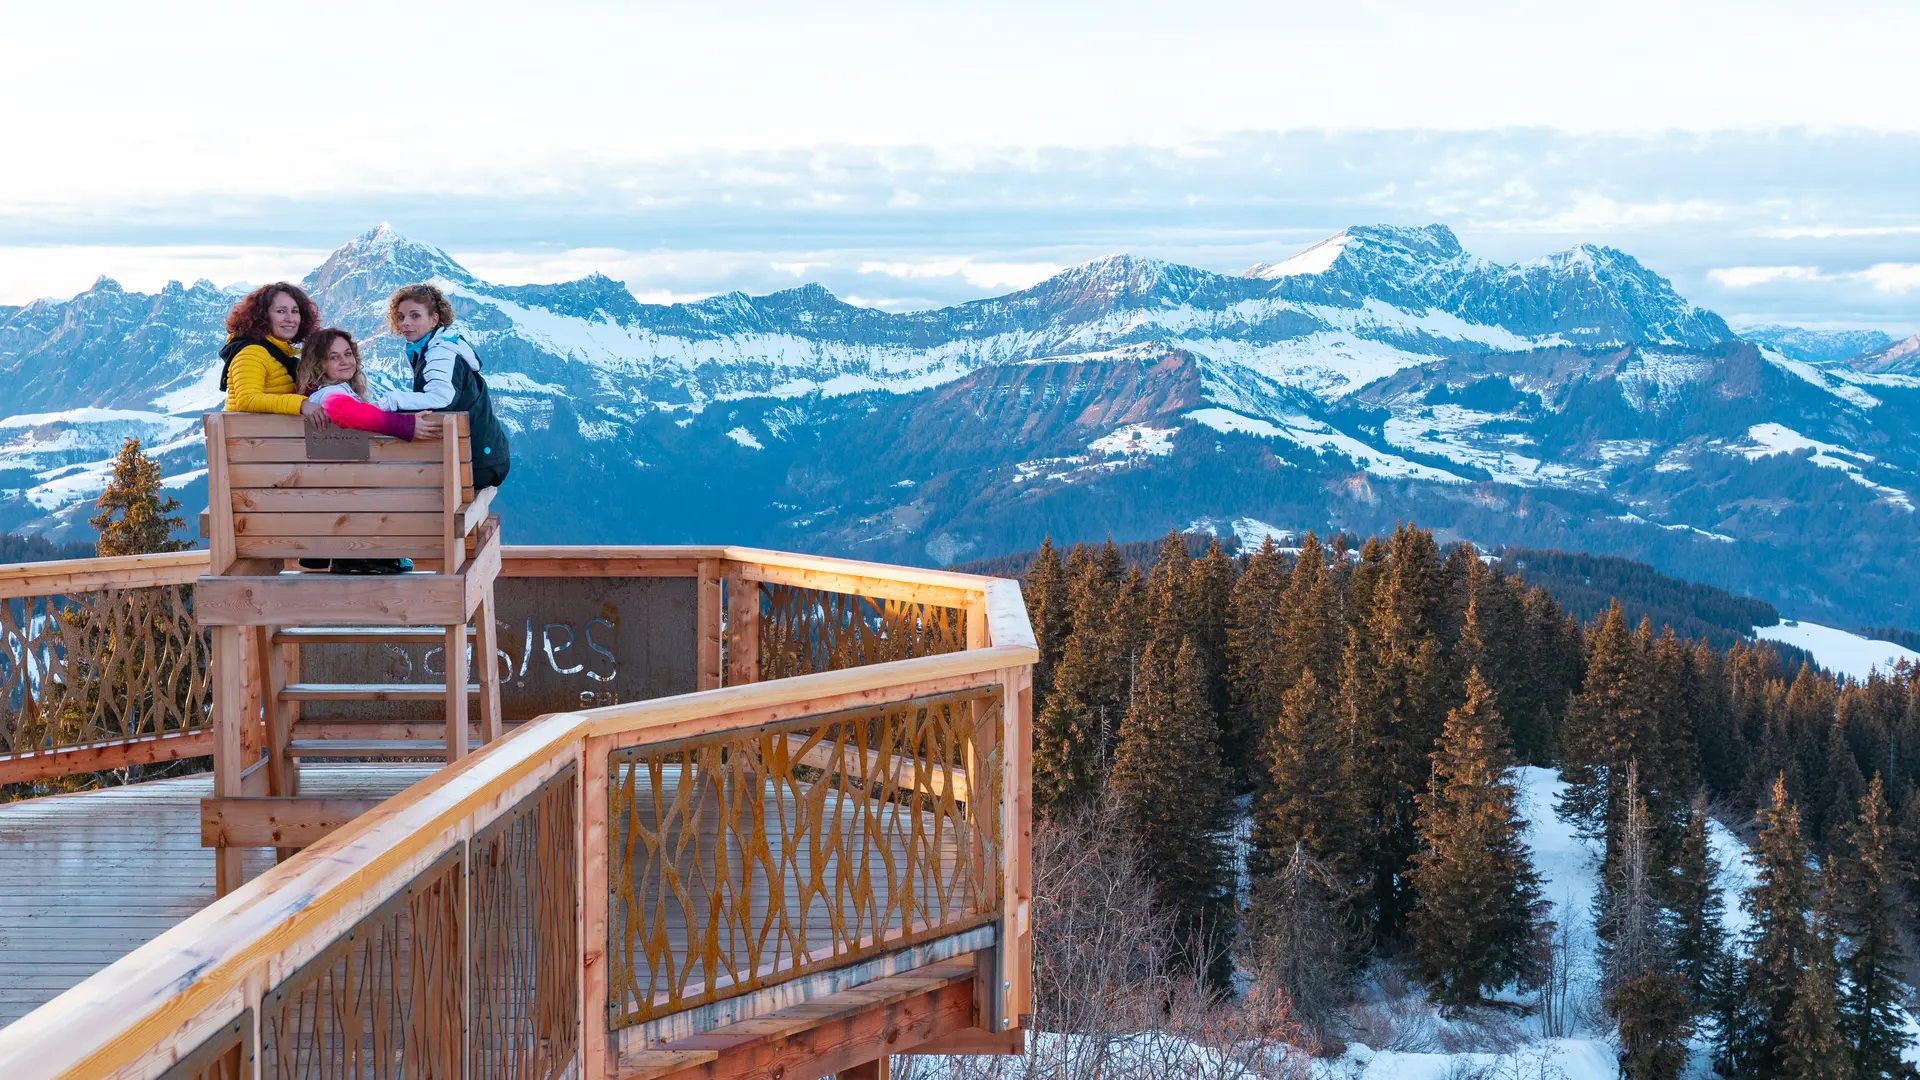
x=1383 y=374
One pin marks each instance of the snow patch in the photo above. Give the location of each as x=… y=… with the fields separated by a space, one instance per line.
x=1317 y=259
x=745 y=438
x=1837 y=650
x=1770 y=438
x=1135 y=439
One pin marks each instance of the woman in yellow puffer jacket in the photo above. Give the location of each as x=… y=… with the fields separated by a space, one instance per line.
x=263 y=331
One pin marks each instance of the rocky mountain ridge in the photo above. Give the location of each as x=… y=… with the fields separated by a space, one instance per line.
x=1574 y=401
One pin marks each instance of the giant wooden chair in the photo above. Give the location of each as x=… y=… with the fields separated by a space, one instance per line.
x=270 y=504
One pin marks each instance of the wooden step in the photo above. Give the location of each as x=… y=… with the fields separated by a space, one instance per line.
x=368 y=691
x=361 y=635
x=387 y=731
x=373 y=748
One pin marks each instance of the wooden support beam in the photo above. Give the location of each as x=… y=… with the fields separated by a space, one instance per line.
x=743 y=631
x=277 y=822
x=880 y=1068
x=229 y=697
x=220 y=550
x=974 y=1040
x=707 y=634
x=833 y=1035
x=320 y=599
x=486 y=659
x=455 y=653
x=99 y=756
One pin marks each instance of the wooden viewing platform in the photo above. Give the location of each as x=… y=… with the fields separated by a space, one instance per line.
x=733 y=812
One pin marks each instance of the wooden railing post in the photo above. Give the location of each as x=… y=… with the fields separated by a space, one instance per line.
x=743 y=631
x=597 y=1049
x=1016 y=940
x=707 y=640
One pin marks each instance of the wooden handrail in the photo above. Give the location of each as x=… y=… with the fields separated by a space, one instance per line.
x=172 y=989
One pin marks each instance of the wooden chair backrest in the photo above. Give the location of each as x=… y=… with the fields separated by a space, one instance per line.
x=267 y=500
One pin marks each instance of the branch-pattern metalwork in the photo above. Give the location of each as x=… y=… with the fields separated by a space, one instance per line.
x=803 y=631
x=523 y=972
x=385 y=1001
x=748 y=859
x=88 y=667
x=227 y=1054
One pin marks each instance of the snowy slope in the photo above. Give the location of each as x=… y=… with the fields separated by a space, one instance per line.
x=1837 y=650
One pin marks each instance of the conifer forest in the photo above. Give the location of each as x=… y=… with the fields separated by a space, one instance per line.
x=1310 y=754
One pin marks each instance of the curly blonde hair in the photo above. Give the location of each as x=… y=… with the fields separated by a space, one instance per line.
x=312 y=374
x=423 y=294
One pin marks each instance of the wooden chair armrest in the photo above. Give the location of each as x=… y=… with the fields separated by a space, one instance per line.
x=476 y=510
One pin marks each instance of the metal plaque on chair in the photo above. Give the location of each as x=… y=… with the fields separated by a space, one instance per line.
x=338 y=444
x=563 y=643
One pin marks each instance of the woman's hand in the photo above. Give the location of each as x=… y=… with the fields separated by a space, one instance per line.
x=315 y=413
x=428 y=426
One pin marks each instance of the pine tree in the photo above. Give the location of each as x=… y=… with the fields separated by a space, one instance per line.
x=1209 y=592
x=1811 y=1046
x=1643 y=991
x=1046 y=593
x=1730 y=1018
x=1170 y=789
x=1781 y=945
x=1699 y=938
x=1393 y=704
x=1628 y=922
x=1656 y=1020
x=1253 y=611
x=1072 y=730
x=1299 y=940
x=134 y=519
x=1311 y=631
x=1300 y=802
x=1869 y=907
x=1478 y=895
x=1610 y=722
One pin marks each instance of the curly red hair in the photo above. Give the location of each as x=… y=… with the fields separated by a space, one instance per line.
x=249 y=317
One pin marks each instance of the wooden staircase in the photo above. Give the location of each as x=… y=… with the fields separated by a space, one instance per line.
x=271 y=502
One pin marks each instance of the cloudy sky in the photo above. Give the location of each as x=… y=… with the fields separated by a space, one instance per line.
x=1763 y=155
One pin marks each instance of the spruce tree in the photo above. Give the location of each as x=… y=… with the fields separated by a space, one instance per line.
x=1300 y=803
x=1780 y=943
x=1253 y=611
x=1046 y=593
x=1479 y=898
x=1169 y=786
x=1811 y=1046
x=1869 y=907
x=1072 y=729
x=1610 y=722
x=1209 y=593
x=134 y=518
x=1656 y=1020
x=1394 y=697
x=1298 y=938
x=1699 y=938
x=1311 y=629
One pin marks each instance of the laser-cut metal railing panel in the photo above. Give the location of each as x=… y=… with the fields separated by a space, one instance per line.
x=384 y=1001
x=92 y=666
x=803 y=631
x=741 y=861
x=523 y=956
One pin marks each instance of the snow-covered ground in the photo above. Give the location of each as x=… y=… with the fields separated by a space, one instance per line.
x=1837 y=650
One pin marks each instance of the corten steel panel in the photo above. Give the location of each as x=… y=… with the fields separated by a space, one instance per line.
x=564 y=643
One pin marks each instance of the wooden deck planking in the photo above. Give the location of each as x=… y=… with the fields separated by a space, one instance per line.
x=88 y=877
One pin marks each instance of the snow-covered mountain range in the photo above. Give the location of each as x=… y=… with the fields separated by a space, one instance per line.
x=1385 y=373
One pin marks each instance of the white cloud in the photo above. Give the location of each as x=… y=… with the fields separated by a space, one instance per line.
x=1746 y=277
x=985 y=275
x=1837 y=232
x=31 y=272
x=800 y=268
x=1892 y=277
